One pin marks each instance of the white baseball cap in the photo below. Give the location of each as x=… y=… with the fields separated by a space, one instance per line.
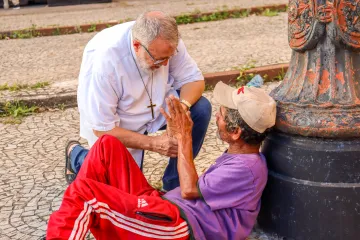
x=255 y=106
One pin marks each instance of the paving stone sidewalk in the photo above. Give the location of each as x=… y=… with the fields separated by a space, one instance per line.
x=43 y=16
x=32 y=165
x=31 y=154
x=215 y=46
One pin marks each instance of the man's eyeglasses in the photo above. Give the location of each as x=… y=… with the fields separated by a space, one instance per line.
x=160 y=61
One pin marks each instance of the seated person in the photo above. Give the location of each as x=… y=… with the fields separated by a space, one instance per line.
x=112 y=198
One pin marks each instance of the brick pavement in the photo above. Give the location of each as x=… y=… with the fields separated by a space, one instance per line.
x=31 y=154
x=43 y=16
x=32 y=165
x=215 y=46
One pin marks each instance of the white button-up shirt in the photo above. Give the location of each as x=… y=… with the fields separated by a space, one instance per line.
x=111 y=92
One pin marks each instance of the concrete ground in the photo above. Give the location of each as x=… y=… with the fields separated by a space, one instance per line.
x=32 y=153
x=215 y=46
x=32 y=167
x=43 y=16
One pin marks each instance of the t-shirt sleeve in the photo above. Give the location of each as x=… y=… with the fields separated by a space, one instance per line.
x=226 y=186
x=101 y=103
x=183 y=68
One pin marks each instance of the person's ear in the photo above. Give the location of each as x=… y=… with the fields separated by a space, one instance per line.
x=236 y=134
x=136 y=45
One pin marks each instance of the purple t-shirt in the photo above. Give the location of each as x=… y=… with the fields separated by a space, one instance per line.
x=231 y=189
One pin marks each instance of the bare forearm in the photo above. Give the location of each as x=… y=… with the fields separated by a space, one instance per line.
x=192 y=91
x=186 y=168
x=129 y=138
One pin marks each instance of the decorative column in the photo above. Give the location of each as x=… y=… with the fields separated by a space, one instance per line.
x=313 y=190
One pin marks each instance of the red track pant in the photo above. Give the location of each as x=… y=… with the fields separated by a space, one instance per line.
x=112 y=198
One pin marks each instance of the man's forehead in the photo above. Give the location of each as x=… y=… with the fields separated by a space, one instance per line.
x=155 y=14
x=161 y=44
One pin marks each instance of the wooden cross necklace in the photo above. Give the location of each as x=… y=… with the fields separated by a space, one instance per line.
x=152 y=80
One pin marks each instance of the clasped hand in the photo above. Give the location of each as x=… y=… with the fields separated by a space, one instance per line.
x=179 y=122
x=179 y=126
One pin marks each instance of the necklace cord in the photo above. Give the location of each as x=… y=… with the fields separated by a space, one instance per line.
x=152 y=79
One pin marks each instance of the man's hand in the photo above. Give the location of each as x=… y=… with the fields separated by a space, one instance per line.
x=180 y=126
x=185 y=108
x=165 y=145
x=179 y=122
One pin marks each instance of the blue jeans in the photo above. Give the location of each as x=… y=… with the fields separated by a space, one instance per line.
x=200 y=114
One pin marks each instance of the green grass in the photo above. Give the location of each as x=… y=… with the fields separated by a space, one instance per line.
x=39 y=85
x=216 y=16
x=10 y=120
x=280 y=76
x=61 y=106
x=25 y=33
x=14 y=87
x=16 y=109
x=57 y=31
x=18 y=87
x=184 y=19
x=22 y=34
x=209 y=87
x=92 y=28
x=14 y=112
x=244 y=77
x=221 y=15
x=270 y=13
x=194 y=17
x=78 y=29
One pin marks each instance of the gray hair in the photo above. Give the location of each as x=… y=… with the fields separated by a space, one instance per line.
x=148 y=27
x=233 y=120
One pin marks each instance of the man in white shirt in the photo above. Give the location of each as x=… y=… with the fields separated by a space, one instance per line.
x=126 y=73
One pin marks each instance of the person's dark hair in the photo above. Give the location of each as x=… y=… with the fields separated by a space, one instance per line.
x=234 y=120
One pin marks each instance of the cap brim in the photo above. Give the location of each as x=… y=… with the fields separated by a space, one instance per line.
x=223 y=95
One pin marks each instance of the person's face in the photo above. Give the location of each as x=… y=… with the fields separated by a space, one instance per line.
x=156 y=55
x=221 y=133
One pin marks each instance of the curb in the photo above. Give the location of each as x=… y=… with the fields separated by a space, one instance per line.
x=229 y=77
x=181 y=19
x=69 y=98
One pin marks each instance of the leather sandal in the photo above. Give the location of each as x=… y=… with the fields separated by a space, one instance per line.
x=69 y=177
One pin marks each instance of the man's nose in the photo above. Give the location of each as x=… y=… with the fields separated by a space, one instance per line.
x=217 y=115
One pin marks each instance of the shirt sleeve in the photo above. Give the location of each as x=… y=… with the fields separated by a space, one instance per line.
x=101 y=103
x=227 y=186
x=183 y=68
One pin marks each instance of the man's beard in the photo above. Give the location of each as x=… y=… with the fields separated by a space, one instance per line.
x=144 y=65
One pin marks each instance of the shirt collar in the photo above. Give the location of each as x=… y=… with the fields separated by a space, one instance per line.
x=226 y=156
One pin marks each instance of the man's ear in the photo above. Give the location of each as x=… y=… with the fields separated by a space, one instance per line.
x=236 y=134
x=136 y=45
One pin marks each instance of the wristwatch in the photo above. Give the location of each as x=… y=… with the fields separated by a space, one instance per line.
x=186 y=103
